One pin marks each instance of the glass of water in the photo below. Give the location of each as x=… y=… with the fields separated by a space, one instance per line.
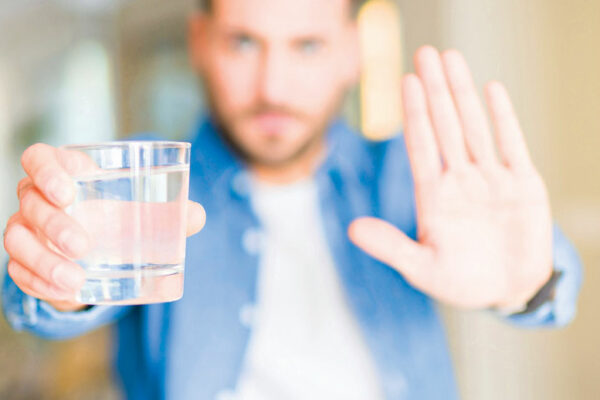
x=131 y=198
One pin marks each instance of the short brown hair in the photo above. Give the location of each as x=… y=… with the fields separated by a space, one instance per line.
x=206 y=5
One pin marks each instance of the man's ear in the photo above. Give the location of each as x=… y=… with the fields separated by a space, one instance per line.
x=197 y=40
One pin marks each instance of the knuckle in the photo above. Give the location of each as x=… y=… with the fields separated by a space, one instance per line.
x=463 y=171
x=30 y=280
x=414 y=111
x=39 y=286
x=45 y=265
x=12 y=219
x=23 y=185
x=41 y=262
x=438 y=87
x=31 y=153
x=44 y=174
x=24 y=279
x=28 y=201
x=12 y=269
x=20 y=276
x=70 y=160
x=52 y=223
x=461 y=89
x=11 y=237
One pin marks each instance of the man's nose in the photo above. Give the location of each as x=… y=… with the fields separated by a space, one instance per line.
x=274 y=77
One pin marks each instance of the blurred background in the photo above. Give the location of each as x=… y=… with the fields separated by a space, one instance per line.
x=90 y=70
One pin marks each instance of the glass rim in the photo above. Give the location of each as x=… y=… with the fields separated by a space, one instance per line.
x=160 y=144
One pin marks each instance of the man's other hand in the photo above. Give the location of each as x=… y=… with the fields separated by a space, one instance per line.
x=484 y=221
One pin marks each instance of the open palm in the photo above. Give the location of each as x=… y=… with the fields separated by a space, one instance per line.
x=484 y=222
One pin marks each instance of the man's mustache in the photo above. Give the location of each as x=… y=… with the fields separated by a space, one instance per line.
x=273 y=109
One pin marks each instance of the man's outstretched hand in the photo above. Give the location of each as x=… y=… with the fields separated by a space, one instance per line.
x=484 y=221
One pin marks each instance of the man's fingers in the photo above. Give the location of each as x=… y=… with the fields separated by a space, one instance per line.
x=23 y=185
x=196 y=218
x=41 y=163
x=54 y=223
x=470 y=109
x=441 y=107
x=34 y=285
x=76 y=162
x=509 y=137
x=420 y=140
x=24 y=247
x=390 y=245
x=15 y=218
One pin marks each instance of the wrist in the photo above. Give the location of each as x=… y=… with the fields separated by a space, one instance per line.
x=544 y=295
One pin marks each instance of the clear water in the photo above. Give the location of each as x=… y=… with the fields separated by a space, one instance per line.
x=132 y=284
x=136 y=223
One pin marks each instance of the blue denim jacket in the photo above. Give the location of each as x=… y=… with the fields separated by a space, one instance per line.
x=194 y=348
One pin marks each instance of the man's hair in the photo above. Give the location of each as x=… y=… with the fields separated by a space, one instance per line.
x=355 y=5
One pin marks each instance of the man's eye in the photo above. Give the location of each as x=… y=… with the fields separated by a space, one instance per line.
x=310 y=47
x=244 y=43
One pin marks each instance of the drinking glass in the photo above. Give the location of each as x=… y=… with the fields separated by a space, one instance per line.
x=131 y=199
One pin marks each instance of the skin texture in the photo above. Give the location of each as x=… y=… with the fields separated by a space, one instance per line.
x=274 y=81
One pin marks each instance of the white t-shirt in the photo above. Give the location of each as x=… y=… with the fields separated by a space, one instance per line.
x=305 y=342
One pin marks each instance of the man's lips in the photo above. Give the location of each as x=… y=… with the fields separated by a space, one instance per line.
x=272 y=122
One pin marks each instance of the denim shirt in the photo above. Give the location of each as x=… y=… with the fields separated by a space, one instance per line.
x=193 y=348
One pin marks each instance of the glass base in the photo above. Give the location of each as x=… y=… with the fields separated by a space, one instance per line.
x=123 y=284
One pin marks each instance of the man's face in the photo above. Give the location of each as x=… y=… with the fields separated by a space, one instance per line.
x=275 y=71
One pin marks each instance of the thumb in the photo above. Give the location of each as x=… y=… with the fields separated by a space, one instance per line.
x=391 y=246
x=196 y=218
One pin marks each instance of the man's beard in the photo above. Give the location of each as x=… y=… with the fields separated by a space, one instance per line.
x=311 y=140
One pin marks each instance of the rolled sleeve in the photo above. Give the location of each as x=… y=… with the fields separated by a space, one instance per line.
x=27 y=313
x=561 y=309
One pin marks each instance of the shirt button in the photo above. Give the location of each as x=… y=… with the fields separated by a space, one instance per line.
x=396 y=385
x=240 y=183
x=252 y=240
x=225 y=395
x=14 y=321
x=29 y=305
x=247 y=315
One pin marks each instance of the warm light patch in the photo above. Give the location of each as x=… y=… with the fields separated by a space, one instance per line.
x=381 y=48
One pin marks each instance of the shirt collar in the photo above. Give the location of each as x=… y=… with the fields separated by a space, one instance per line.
x=217 y=163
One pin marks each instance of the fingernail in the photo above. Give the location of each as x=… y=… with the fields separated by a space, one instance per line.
x=60 y=190
x=60 y=294
x=68 y=277
x=72 y=242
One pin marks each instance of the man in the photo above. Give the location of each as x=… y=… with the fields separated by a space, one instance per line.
x=280 y=303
